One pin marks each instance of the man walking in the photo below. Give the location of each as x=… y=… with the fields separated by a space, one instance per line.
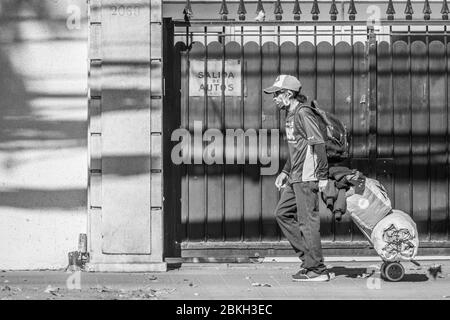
x=304 y=175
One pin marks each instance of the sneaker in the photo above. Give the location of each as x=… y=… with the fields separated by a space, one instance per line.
x=311 y=276
x=299 y=272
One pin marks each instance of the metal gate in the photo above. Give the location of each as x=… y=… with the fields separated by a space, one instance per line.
x=388 y=84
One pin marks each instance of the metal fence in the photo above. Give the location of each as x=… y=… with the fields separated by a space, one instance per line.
x=391 y=92
x=312 y=9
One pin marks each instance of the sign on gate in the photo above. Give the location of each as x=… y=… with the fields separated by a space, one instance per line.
x=216 y=78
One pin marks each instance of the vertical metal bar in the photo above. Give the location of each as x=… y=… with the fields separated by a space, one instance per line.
x=428 y=134
x=187 y=36
x=372 y=91
x=352 y=104
x=333 y=75
x=260 y=126
x=448 y=131
x=278 y=110
x=297 y=53
x=205 y=122
x=315 y=62
x=333 y=102
x=391 y=52
x=222 y=109
x=188 y=65
x=410 y=133
x=243 y=127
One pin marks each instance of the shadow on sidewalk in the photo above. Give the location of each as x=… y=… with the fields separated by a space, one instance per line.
x=365 y=272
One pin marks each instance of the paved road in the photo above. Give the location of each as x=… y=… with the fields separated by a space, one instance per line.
x=268 y=281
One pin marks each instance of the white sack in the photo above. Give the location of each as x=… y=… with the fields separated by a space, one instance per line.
x=395 y=237
x=370 y=207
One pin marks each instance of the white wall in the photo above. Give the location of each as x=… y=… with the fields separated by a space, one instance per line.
x=43 y=130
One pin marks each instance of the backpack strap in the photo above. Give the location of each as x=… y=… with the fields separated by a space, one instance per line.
x=314 y=107
x=322 y=114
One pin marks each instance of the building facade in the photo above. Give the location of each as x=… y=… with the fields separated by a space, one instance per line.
x=91 y=94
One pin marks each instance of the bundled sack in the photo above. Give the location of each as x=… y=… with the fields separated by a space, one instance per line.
x=369 y=208
x=395 y=237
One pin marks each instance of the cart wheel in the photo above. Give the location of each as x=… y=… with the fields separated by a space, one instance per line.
x=393 y=271
x=383 y=270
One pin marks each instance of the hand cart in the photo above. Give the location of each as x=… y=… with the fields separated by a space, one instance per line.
x=390 y=270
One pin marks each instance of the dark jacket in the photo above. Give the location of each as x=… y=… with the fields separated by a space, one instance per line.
x=340 y=179
x=335 y=199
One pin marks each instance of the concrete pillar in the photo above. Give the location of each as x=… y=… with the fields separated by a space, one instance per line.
x=125 y=124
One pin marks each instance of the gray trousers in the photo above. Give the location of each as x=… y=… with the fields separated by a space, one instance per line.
x=297 y=214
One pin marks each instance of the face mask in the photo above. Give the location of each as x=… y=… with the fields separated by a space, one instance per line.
x=282 y=100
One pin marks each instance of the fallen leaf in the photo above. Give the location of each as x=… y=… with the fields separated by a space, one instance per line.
x=53 y=291
x=100 y=289
x=10 y=289
x=435 y=270
x=257 y=284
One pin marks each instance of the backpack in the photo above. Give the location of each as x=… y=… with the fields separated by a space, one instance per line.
x=335 y=133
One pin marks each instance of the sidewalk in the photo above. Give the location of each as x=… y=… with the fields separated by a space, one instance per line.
x=353 y=280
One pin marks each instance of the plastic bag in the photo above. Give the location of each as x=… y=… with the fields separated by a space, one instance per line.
x=395 y=237
x=370 y=207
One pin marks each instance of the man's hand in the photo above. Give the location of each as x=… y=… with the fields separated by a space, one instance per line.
x=322 y=185
x=280 y=182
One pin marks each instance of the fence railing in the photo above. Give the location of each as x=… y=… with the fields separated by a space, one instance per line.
x=299 y=11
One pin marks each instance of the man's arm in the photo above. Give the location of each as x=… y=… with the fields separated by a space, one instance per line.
x=287 y=166
x=322 y=161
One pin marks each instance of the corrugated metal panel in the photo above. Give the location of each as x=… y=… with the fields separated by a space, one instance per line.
x=232 y=203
